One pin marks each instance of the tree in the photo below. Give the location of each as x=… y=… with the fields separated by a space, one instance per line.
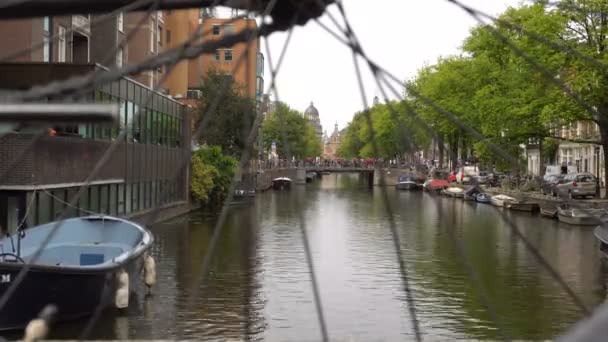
x=300 y=136
x=231 y=118
x=212 y=174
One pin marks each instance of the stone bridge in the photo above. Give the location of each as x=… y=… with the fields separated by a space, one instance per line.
x=263 y=179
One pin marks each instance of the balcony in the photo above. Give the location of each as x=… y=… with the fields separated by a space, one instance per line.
x=82 y=24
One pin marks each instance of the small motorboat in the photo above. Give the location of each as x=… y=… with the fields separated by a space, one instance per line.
x=483 y=198
x=470 y=193
x=548 y=212
x=579 y=217
x=499 y=200
x=522 y=206
x=407 y=183
x=601 y=233
x=89 y=262
x=435 y=184
x=454 y=192
x=281 y=183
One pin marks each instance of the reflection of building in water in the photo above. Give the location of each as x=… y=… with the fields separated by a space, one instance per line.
x=332 y=144
x=312 y=115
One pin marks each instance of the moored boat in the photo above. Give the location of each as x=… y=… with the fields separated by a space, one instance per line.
x=470 y=193
x=436 y=184
x=483 y=198
x=281 y=183
x=579 y=217
x=522 y=206
x=499 y=200
x=601 y=233
x=85 y=259
x=454 y=192
x=406 y=183
x=548 y=212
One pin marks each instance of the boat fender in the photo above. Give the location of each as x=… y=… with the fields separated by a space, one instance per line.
x=149 y=271
x=122 y=290
x=38 y=328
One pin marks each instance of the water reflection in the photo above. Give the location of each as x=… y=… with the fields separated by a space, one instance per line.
x=260 y=285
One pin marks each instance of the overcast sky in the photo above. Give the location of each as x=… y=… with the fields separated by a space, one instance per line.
x=400 y=35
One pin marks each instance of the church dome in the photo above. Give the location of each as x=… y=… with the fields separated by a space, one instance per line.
x=311 y=112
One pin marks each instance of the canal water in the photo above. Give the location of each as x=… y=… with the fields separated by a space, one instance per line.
x=260 y=287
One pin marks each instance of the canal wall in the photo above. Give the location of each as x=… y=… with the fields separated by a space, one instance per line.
x=164 y=213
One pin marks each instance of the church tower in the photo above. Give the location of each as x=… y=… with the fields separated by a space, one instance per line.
x=312 y=115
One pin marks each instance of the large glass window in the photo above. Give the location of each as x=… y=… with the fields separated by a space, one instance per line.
x=128 y=188
x=129 y=120
x=121 y=199
x=135 y=123
x=113 y=199
x=45 y=203
x=83 y=203
x=58 y=202
x=142 y=196
x=72 y=210
x=104 y=200
x=94 y=198
x=134 y=197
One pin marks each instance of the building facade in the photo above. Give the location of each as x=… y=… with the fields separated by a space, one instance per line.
x=312 y=115
x=332 y=144
x=141 y=174
x=585 y=157
x=248 y=75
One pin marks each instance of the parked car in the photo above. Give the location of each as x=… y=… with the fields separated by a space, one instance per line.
x=549 y=184
x=577 y=185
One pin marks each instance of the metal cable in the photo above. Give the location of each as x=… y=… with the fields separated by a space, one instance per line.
x=349 y=33
x=301 y=219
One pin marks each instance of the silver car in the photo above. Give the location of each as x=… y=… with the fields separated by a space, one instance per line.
x=577 y=185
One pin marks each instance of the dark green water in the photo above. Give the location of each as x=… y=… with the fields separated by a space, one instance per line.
x=260 y=285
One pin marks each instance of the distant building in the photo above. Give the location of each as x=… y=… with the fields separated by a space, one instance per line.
x=312 y=115
x=332 y=144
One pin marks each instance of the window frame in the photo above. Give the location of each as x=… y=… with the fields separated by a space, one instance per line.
x=228 y=52
x=120 y=22
x=216 y=30
x=61 y=44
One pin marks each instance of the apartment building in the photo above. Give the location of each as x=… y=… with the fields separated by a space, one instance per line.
x=71 y=46
x=243 y=61
x=586 y=157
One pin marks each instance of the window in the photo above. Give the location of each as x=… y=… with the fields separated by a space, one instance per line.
x=46 y=50
x=216 y=30
x=120 y=22
x=168 y=37
x=228 y=54
x=46 y=24
x=159 y=36
x=61 y=45
x=119 y=57
x=217 y=56
x=46 y=41
x=152 y=41
x=228 y=29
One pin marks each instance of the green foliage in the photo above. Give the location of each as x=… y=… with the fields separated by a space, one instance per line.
x=301 y=137
x=231 y=118
x=395 y=133
x=212 y=173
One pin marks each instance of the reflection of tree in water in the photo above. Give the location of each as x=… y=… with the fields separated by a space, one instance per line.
x=527 y=302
